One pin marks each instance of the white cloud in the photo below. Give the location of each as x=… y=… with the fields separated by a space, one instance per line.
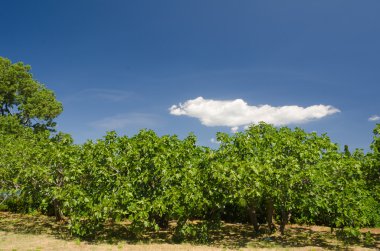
x=234 y=129
x=374 y=118
x=235 y=113
x=121 y=121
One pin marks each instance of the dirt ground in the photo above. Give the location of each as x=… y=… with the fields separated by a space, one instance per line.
x=36 y=232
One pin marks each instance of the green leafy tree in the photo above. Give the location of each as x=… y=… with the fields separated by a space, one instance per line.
x=33 y=168
x=146 y=179
x=372 y=170
x=270 y=168
x=20 y=156
x=341 y=197
x=25 y=98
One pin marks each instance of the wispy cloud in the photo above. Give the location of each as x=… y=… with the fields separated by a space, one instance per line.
x=120 y=121
x=374 y=118
x=214 y=141
x=110 y=95
x=235 y=113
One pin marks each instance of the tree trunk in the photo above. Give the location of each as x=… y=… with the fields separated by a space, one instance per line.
x=57 y=210
x=162 y=221
x=284 y=220
x=252 y=213
x=270 y=214
x=56 y=202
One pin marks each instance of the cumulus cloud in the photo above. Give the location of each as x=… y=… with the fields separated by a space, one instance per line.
x=121 y=121
x=235 y=113
x=374 y=118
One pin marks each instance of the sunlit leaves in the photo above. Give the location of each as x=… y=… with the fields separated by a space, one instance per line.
x=23 y=97
x=150 y=180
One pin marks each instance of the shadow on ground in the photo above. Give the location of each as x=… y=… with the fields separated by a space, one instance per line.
x=229 y=236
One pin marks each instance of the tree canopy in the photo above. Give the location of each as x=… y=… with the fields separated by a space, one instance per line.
x=24 y=98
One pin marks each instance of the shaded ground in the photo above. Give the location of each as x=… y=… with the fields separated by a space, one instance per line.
x=28 y=232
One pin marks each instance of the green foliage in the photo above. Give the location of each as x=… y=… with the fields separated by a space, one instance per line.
x=151 y=180
x=368 y=239
x=261 y=174
x=146 y=179
x=23 y=97
x=195 y=232
x=349 y=234
x=268 y=165
x=371 y=166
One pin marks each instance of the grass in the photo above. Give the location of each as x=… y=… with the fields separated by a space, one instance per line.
x=37 y=232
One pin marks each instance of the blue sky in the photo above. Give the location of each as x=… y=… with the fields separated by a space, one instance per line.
x=123 y=64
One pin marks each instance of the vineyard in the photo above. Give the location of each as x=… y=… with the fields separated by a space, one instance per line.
x=265 y=176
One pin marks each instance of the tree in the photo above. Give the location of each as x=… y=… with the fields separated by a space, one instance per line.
x=372 y=165
x=23 y=97
x=271 y=167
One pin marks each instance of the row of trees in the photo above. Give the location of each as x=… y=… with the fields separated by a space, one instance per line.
x=261 y=174
x=264 y=175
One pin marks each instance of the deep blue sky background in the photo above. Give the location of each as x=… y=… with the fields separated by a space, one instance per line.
x=131 y=60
